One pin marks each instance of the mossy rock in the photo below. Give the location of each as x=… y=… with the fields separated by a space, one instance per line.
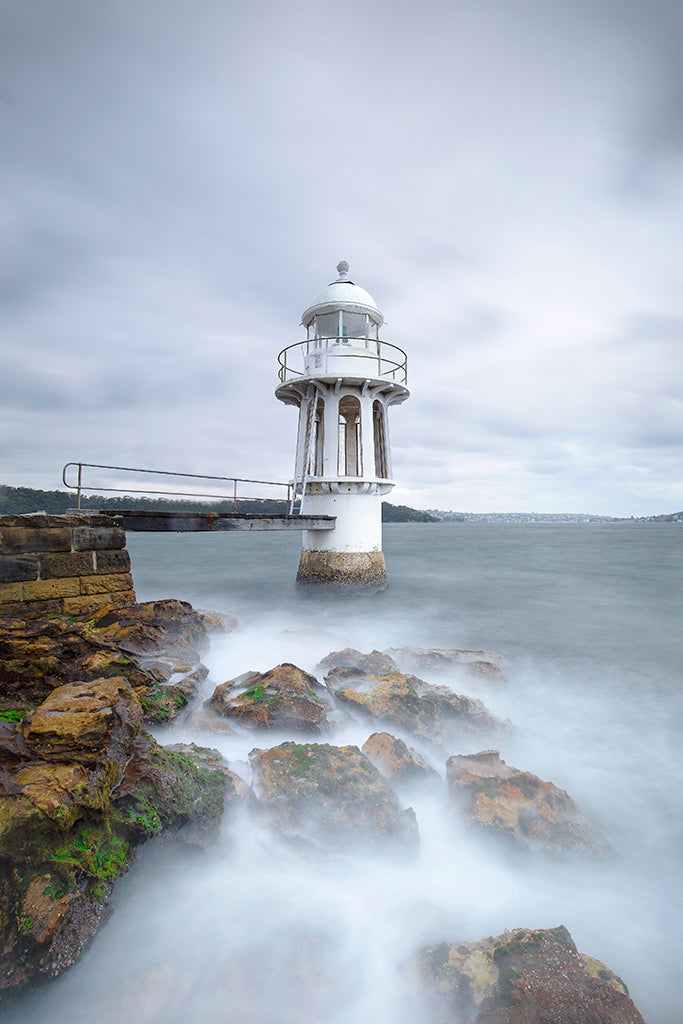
x=332 y=796
x=285 y=697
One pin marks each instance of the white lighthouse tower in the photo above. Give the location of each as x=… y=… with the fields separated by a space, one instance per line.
x=343 y=378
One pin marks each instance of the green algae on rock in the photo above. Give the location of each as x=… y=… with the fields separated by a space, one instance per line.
x=153 y=645
x=81 y=784
x=434 y=713
x=331 y=796
x=286 y=697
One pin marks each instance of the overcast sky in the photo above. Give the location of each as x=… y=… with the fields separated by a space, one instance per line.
x=504 y=178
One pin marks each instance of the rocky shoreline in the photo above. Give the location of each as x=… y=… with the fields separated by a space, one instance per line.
x=83 y=784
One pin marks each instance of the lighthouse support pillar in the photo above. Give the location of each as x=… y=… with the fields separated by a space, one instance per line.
x=350 y=555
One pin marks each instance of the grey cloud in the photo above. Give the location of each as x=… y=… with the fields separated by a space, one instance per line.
x=43 y=389
x=183 y=178
x=654 y=326
x=36 y=263
x=654 y=127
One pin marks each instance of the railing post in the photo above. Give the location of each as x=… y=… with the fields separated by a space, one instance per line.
x=78 y=496
x=234 y=495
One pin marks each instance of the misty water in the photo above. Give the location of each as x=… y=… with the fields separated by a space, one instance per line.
x=588 y=619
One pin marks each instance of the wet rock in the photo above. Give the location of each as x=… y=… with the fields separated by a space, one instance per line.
x=521 y=977
x=236 y=788
x=170 y=692
x=175 y=618
x=434 y=713
x=286 y=697
x=218 y=622
x=397 y=762
x=331 y=796
x=486 y=670
x=37 y=657
x=449 y=661
x=84 y=722
x=207 y=719
x=81 y=784
x=527 y=811
x=163 y=639
x=146 y=644
x=151 y=628
x=373 y=663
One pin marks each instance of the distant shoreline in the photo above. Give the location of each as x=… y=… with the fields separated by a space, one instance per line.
x=16 y=501
x=550 y=517
x=25 y=500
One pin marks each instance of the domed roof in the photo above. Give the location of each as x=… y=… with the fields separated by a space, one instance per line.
x=343 y=294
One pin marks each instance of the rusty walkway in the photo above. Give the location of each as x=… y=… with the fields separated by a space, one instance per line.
x=216 y=522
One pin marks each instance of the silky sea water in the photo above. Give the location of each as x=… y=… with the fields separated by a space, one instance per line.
x=587 y=618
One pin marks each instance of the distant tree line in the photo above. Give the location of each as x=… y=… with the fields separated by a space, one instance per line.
x=403 y=514
x=18 y=501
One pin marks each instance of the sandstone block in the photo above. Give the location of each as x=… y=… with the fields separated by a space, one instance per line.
x=57 y=789
x=95 y=603
x=96 y=538
x=78 y=517
x=70 y=519
x=110 y=583
x=67 y=563
x=10 y=592
x=42 y=590
x=19 y=540
x=20 y=568
x=87 y=606
x=34 y=519
x=112 y=561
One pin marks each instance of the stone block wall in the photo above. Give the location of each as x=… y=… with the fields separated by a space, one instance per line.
x=72 y=564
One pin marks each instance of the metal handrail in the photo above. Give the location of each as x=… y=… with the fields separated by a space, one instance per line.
x=235 y=480
x=396 y=366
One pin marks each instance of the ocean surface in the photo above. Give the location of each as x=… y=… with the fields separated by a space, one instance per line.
x=588 y=619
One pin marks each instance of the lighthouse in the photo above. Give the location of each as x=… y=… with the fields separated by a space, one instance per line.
x=343 y=377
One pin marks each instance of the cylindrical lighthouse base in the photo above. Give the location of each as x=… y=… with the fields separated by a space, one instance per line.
x=343 y=569
x=351 y=555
